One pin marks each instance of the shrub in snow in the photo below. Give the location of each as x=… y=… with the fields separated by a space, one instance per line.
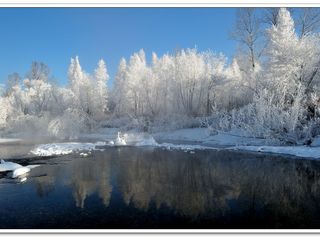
x=266 y=117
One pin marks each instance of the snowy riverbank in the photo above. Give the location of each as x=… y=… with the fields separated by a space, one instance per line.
x=186 y=140
x=234 y=141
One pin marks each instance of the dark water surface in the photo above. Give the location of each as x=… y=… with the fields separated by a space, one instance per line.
x=135 y=188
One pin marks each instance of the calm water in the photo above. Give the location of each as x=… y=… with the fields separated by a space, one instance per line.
x=153 y=188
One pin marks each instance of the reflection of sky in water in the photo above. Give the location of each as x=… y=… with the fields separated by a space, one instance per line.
x=146 y=187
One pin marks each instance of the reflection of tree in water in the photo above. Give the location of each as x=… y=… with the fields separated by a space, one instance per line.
x=44 y=185
x=220 y=184
x=86 y=176
x=104 y=185
x=45 y=178
x=89 y=176
x=179 y=180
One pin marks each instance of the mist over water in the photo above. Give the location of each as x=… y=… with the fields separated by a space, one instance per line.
x=128 y=187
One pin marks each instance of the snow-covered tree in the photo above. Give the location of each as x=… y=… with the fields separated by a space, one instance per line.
x=163 y=75
x=308 y=21
x=292 y=60
x=248 y=33
x=81 y=86
x=137 y=73
x=38 y=71
x=119 y=88
x=38 y=95
x=12 y=81
x=100 y=94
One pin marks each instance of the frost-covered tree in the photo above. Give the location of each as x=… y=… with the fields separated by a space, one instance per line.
x=308 y=21
x=214 y=81
x=278 y=108
x=38 y=71
x=137 y=75
x=247 y=32
x=236 y=90
x=184 y=83
x=189 y=75
x=12 y=81
x=292 y=60
x=100 y=94
x=283 y=53
x=75 y=75
x=119 y=88
x=81 y=86
x=163 y=75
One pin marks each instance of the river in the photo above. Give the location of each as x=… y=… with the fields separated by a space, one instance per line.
x=154 y=188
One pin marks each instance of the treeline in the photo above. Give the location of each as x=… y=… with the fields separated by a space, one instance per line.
x=270 y=88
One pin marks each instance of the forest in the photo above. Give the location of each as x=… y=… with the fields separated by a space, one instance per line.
x=269 y=89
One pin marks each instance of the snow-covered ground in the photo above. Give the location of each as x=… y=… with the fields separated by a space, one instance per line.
x=192 y=135
x=236 y=141
x=16 y=170
x=186 y=140
x=124 y=139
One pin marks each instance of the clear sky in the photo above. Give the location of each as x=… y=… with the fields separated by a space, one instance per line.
x=54 y=35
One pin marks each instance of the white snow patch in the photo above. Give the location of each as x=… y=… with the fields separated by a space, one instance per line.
x=135 y=139
x=128 y=139
x=299 y=151
x=200 y=135
x=16 y=169
x=64 y=148
x=8 y=166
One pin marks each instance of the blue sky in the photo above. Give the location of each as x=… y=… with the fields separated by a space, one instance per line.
x=54 y=35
